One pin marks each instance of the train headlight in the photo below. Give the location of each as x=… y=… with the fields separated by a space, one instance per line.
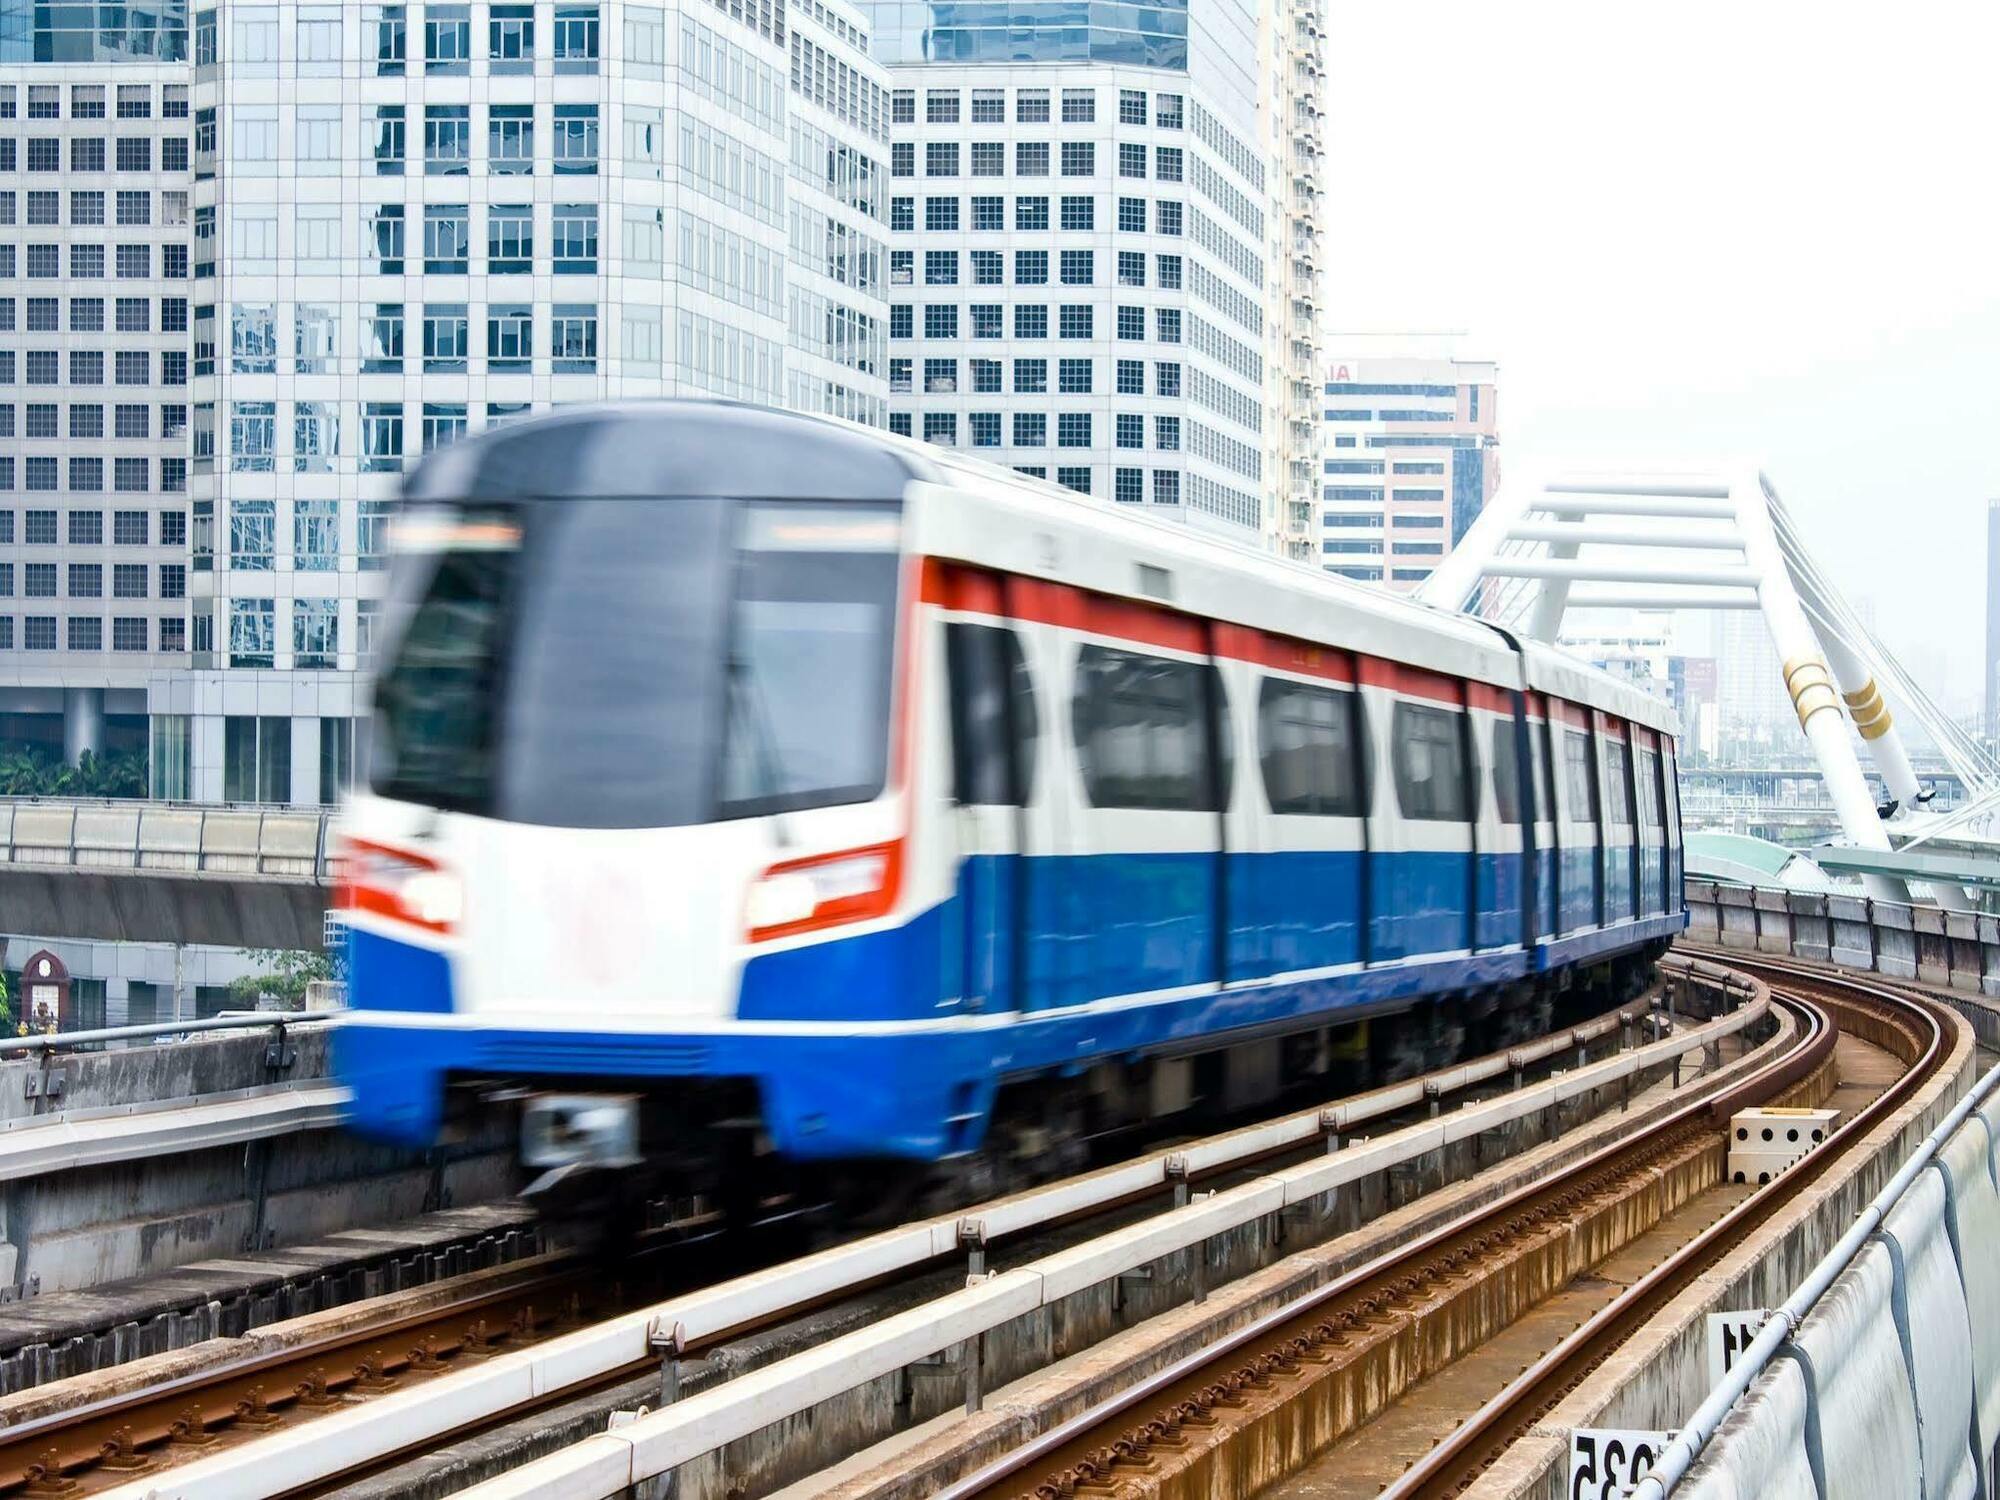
x=826 y=890
x=401 y=884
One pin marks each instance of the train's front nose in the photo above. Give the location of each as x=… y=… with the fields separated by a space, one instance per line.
x=606 y=733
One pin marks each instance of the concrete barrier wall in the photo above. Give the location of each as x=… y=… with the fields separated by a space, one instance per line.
x=1951 y=950
x=83 y=1226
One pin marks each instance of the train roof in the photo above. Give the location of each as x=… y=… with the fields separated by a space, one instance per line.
x=990 y=515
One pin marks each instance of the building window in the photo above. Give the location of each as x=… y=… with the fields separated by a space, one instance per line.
x=1166 y=487
x=86 y=633
x=382 y=340
x=371 y=532
x=1076 y=320
x=38 y=580
x=1031 y=429
x=253 y=437
x=1031 y=320
x=941 y=106
x=1167 y=324
x=1074 y=376
x=1079 y=106
x=1031 y=376
x=575 y=239
x=1167 y=163
x=989 y=106
x=941 y=427
x=1131 y=430
x=940 y=214
x=130 y=528
x=129 y=475
x=941 y=159
x=1167 y=217
x=1079 y=267
x=1031 y=158
x=315 y=633
x=989 y=212
x=989 y=158
x=253 y=533
x=940 y=320
x=941 y=268
x=128 y=633
x=445 y=337
x=573 y=338
x=39 y=633
x=1031 y=267
x=510 y=338
x=1128 y=486
x=510 y=139
x=988 y=267
x=576 y=138
x=986 y=376
x=315 y=436
x=987 y=321
x=86 y=580
x=389 y=143
x=1132 y=215
x=1167 y=433
x=447 y=238
x=1131 y=160
x=1167 y=111
x=444 y=422
x=1031 y=106
x=510 y=39
x=1167 y=379
x=447 y=140
x=983 y=428
x=510 y=239
x=576 y=38
x=1031 y=213
x=447 y=38
x=128 y=581
x=381 y=437
x=1170 y=272
x=1079 y=212
x=1074 y=479
x=1079 y=158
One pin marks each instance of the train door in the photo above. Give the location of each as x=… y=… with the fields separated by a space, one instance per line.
x=1649 y=816
x=1421 y=845
x=1495 y=769
x=1582 y=873
x=1620 y=847
x=1051 y=930
x=1150 y=722
x=1670 y=800
x=1297 y=906
x=1548 y=846
x=995 y=730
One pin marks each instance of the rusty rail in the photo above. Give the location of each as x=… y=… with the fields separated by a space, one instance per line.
x=1452 y=1464
x=1079 y=1453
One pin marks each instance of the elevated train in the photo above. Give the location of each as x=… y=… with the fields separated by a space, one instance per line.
x=754 y=787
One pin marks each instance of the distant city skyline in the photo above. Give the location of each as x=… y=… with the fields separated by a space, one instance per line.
x=1670 y=283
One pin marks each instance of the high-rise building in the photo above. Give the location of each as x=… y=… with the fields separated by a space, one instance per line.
x=94 y=327
x=1991 y=685
x=300 y=244
x=1295 y=59
x=1411 y=456
x=1079 y=221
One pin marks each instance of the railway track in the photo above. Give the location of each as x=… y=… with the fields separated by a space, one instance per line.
x=147 y=1430
x=1194 y=1428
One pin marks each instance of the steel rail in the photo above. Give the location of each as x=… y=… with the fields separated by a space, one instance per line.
x=507 y=1385
x=1446 y=1467
x=1812 y=1048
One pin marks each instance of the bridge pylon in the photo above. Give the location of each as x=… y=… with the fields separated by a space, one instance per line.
x=1553 y=540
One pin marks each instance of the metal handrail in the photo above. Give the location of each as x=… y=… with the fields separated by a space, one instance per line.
x=1687 y=1445
x=51 y=1041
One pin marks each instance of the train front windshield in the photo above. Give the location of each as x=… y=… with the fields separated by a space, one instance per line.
x=638 y=663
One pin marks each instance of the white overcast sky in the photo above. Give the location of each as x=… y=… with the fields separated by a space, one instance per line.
x=1747 y=228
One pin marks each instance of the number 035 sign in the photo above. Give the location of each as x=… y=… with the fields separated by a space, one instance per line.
x=1607 y=1462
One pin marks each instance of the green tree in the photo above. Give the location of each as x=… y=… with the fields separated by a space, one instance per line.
x=287 y=973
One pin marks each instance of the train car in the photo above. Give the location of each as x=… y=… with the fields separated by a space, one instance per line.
x=751 y=786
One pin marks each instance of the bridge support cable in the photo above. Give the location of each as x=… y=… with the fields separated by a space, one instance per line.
x=1663 y=541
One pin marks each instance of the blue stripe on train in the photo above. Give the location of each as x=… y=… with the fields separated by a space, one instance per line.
x=919 y=1094
x=1109 y=925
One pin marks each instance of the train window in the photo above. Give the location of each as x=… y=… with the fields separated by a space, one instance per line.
x=1652 y=789
x=1545 y=804
x=1506 y=772
x=1143 y=733
x=994 y=725
x=1580 y=777
x=1430 y=763
x=1307 y=744
x=1619 y=786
